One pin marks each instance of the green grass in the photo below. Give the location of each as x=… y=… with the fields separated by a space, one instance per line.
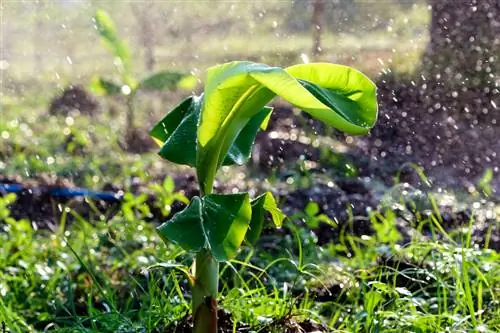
x=109 y=275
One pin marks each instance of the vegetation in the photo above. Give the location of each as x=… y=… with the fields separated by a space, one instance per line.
x=357 y=284
x=128 y=85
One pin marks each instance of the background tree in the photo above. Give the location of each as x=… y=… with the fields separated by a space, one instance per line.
x=318 y=18
x=37 y=29
x=464 y=42
x=145 y=16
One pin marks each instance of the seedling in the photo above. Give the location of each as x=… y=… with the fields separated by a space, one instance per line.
x=128 y=85
x=219 y=128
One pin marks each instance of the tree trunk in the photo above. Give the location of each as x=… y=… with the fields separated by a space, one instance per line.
x=144 y=14
x=38 y=57
x=464 y=45
x=318 y=7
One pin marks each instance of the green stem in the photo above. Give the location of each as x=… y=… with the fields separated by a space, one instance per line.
x=205 y=288
x=130 y=123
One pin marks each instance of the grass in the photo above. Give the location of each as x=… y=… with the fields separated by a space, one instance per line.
x=113 y=275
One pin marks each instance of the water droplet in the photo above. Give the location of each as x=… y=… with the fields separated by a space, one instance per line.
x=126 y=90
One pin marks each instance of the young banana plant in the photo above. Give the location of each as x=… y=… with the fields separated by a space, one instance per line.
x=126 y=84
x=219 y=128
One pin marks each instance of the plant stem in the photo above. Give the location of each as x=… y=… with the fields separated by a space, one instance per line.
x=130 y=123
x=205 y=288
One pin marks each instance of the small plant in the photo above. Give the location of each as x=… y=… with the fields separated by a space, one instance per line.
x=129 y=85
x=219 y=128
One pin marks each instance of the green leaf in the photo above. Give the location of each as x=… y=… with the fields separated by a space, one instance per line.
x=186 y=228
x=165 y=127
x=169 y=185
x=241 y=149
x=106 y=29
x=235 y=92
x=311 y=209
x=105 y=87
x=180 y=147
x=188 y=82
x=226 y=219
x=216 y=221
x=261 y=205
x=176 y=133
x=161 y=81
x=343 y=89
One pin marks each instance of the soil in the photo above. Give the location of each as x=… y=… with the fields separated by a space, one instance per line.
x=74 y=99
x=137 y=141
x=453 y=135
x=287 y=324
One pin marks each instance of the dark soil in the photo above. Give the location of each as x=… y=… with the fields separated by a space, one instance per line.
x=346 y=201
x=137 y=141
x=74 y=99
x=453 y=135
x=287 y=324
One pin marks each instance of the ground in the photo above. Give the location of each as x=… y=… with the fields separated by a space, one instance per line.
x=411 y=251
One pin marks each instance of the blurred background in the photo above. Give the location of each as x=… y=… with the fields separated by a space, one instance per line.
x=56 y=41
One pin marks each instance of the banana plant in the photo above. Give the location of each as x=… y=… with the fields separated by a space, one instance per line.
x=128 y=85
x=218 y=128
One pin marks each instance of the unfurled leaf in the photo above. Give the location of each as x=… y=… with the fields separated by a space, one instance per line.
x=161 y=81
x=218 y=222
x=344 y=90
x=260 y=206
x=226 y=219
x=235 y=92
x=185 y=228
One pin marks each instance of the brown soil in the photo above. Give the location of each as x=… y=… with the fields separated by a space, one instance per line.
x=287 y=324
x=74 y=99
x=453 y=135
